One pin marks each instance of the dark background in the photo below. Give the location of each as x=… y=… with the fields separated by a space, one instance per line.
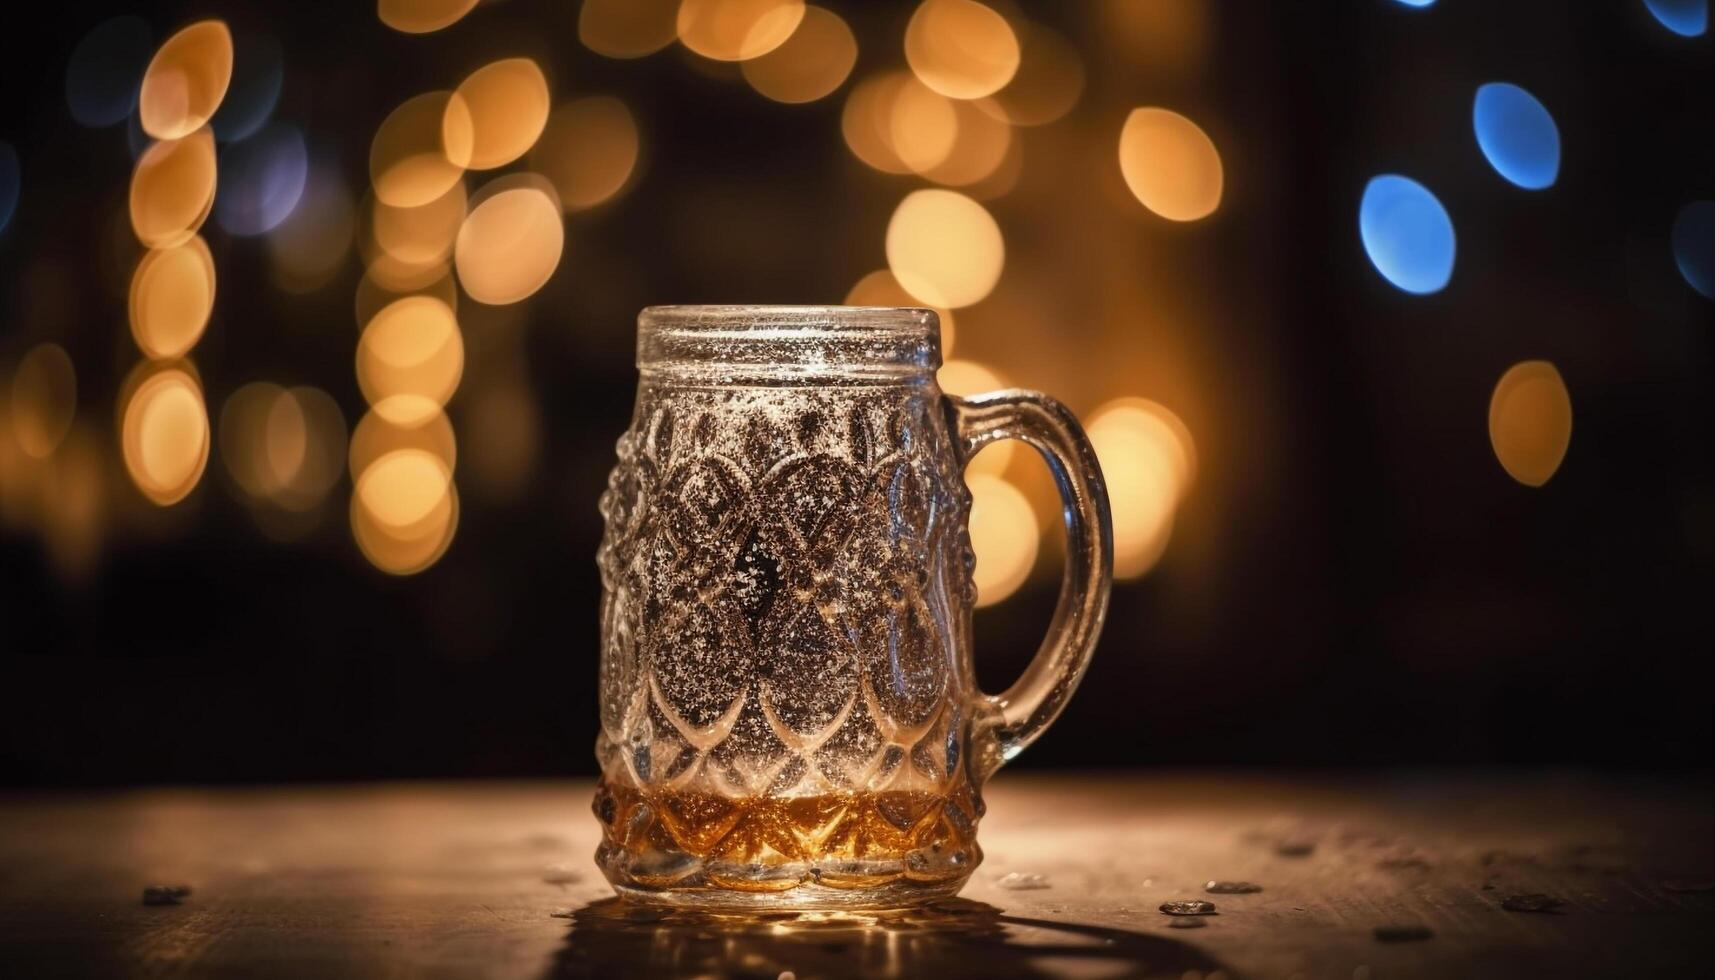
x=1353 y=580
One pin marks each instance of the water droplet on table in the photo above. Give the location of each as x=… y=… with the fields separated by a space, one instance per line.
x=1231 y=888
x=1191 y=907
x=1019 y=881
x=1402 y=933
x=1533 y=902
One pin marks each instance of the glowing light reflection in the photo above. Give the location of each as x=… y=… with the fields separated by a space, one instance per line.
x=262 y=180
x=172 y=295
x=1694 y=245
x=186 y=81
x=1517 y=135
x=1530 y=422
x=1687 y=18
x=1407 y=234
x=944 y=248
x=1170 y=164
x=1004 y=534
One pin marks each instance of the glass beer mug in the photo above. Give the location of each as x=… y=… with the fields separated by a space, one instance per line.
x=789 y=712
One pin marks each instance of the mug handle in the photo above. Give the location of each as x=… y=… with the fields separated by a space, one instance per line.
x=1016 y=716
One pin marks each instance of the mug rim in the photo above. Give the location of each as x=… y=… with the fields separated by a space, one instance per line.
x=799 y=342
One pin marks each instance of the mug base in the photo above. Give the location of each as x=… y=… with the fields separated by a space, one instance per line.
x=809 y=896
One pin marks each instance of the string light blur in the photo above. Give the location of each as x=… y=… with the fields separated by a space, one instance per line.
x=588 y=151
x=963 y=378
x=105 y=70
x=44 y=399
x=961 y=48
x=628 y=28
x=1407 y=234
x=261 y=180
x=1687 y=18
x=736 y=30
x=879 y=288
x=1517 y=135
x=505 y=105
x=172 y=296
x=1049 y=81
x=944 y=248
x=412 y=348
x=1004 y=534
x=1530 y=421
x=164 y=435
x=1149 y=463
x=411 y=159
x=510 y=243
x=1170 y=164
x=422 y=16
x=810 y=64
x=1694 y=245
x=186 y=81
x=172 y=189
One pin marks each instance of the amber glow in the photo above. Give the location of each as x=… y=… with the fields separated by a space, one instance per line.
x=1049 y=82
x=186 y=81
x=164 y=435
x=961 y=48
x=628 y=28
x=1149 y=462
x=1530 y=421
x=1170 y=164
x=944 y=248
x=375 y=437
x=504 y=106
x=879 y=288
x=1004 y=534
x=411 y=348
x=510 y=243
x=404 y=508
x=922 y=126
x=866 y=121
x=588 y=151
x=172 y=294
x=172 y=189
x=422 y=16
x=420 y=237
x=735 y=30
x=980 y=144
x=44 y=400
x=811 y=64
x=968 y=378
x=414 y=157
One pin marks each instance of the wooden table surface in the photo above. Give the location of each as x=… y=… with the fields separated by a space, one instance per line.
x=496 y=880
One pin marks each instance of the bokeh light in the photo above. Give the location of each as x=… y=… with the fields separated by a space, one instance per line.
x=981 y=141
x=1170 y=164
x=373 y=296
x=505 y=105
x=1517 y=135
x=105 y=70
x=1004 y=533
x=375 y=437
x=810 y=65
x=866 y=121
x=1687 y=18
x=1694 y=245
x=186 y=81
x=1415 y=3
x=415 y=239
x=164 y=434
x=44 y=400
x=411 y=160
x=961 y=48
x=422 y=16
x=172 y=189
x=1149 y=463
x=922 y=127
x=411 y=348
x=172 y=295
x=307 y=249
x=73 y=504
x=735 y=30
x=258 y=75
x=1530 y=421
x=510 y=244
x=879 y=288
x=588 y=151
x=261 y=180
x=11 y=183
x=1406 y=233
x=404 y=484
x=1049 y=81
x=944 y=248
x=628 y=28
x=282 y=446
x=965 y=379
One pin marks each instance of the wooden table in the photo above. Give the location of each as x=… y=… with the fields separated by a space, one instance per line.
x=495 y=880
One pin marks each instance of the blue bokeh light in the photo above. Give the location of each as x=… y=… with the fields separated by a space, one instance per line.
x=1517 y=135
x=261 y=180
x=1687 y=18
x=1407 y=233
x=258 y=74
x=1415 y=3
x=1694 y=245
x=10 y=183
x=106 y=70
